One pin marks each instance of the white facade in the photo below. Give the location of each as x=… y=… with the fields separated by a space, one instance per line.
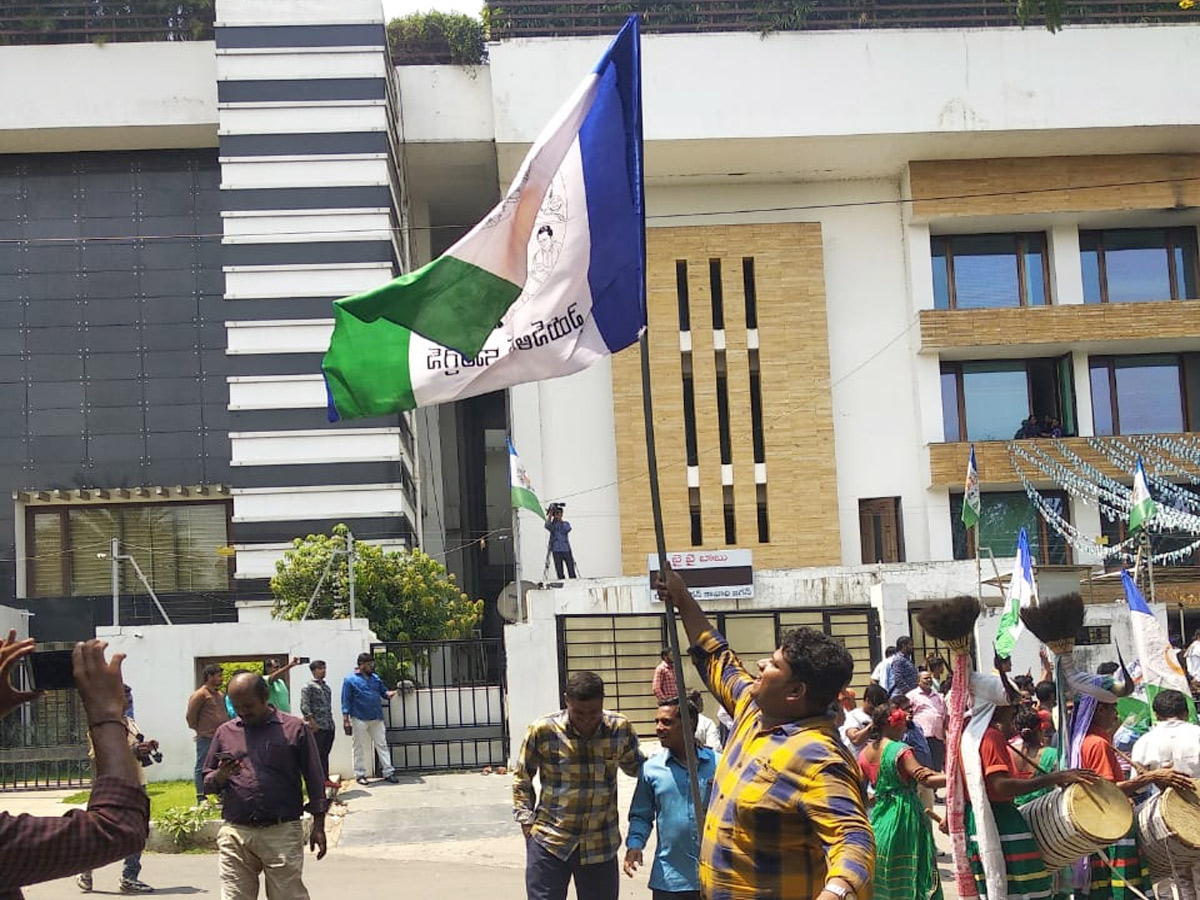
x=820 y=127
x=160 y=667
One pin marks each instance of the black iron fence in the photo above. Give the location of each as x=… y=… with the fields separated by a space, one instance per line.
x=100 y=21
x=553 y=18
x=449 y=709
x=43 y=744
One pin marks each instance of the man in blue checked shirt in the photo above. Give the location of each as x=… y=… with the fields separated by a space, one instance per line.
x=664 y=794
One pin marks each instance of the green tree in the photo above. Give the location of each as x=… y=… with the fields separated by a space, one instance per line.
x=406 y=596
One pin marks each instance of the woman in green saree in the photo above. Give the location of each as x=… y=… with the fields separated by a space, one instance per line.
x=906 y=857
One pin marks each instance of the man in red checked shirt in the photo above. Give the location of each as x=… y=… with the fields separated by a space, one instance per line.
x=664 y=685
x=117 y=819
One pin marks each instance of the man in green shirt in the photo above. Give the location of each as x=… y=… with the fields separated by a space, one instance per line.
x=277 y=683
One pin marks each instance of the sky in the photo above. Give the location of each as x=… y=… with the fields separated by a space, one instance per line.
x=395 y=8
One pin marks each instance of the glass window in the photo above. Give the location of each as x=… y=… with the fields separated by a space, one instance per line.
x=1002 y=515
x=991 y=400
x=1135 y=265
x=1148 y=398
x=950 y=423
x=1102 y=409
x=995 y=399
x=989 y=271
x=175 y=545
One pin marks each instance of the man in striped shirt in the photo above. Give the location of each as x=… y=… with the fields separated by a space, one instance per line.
x=787 y=817
x=571 y=829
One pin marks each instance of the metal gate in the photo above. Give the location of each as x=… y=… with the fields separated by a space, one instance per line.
x=449 y=711
x=624 y=649
x=44 y=743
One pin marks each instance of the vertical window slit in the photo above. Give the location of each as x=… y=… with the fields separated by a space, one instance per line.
x=723 y=410
x=689 y=409
x=718 y=296
x=756 y=409
x=730 y=517
x=694 y=510
x=681 y=294
x=749 y=290
x=764 y=522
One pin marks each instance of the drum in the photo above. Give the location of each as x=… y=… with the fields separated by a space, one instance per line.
x=1169 y=832
x=1073 y=822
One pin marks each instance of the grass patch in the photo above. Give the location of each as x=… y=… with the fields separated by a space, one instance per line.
x=164 y=795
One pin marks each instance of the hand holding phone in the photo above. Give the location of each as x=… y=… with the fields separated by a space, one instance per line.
x=52 y=670
x=227 y=766
x=11 y=651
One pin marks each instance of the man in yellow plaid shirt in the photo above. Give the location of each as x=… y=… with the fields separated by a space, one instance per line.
x=787 y=816
x=571 y=831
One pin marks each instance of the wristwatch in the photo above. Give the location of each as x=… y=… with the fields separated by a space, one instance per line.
x=841 y=892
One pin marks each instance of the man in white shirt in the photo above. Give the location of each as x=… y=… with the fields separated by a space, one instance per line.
x=882 y=673
x=707 y=733
x=856 y=729
x=1192 y=657
x=1173 y=742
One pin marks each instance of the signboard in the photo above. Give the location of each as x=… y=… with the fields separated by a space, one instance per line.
x=709 y=574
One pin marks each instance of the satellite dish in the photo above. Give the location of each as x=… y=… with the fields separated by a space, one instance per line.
x=511 y=601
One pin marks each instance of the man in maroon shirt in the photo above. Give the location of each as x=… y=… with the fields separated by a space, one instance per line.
x=256 y=763
x=117 y=819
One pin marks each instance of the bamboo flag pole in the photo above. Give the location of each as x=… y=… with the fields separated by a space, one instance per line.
x=685 y=716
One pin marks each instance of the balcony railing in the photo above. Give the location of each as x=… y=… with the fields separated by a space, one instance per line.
x=555 y=18
x=92 y=21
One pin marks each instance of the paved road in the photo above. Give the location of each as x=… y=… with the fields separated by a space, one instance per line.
x=425 y=839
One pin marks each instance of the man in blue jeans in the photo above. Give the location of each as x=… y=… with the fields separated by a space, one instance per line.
x=206 y=712
x=571 y=828
x=363 y=696
x=663 y=797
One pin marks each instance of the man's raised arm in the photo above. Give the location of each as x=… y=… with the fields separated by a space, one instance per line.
x=116 y=822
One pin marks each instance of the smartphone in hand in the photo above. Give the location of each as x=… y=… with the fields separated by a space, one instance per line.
x=51 y=670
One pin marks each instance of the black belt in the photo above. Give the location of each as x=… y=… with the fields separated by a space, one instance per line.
x=266 y=823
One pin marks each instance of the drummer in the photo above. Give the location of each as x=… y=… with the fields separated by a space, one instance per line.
x=1173 y=742
x=1128 y=873
x=1011 y=866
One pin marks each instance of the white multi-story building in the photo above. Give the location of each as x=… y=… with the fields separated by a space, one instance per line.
x=867 y=249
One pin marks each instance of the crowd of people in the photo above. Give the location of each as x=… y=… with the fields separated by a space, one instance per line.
x=816 y=794
x=258 y=759
x=807 y=792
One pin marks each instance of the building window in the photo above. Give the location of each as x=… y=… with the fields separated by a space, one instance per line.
x=1133 y=265
x=1114 y=531
x=988 y=271
x=1154 y=394
x=881 y=530
x=991 y=400
x=1002 y=515
x=175 y=545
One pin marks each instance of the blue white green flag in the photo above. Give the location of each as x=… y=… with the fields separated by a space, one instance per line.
x=1022 y=592
x=970 y=505
x=523 y=496
x=1157 y=659
x=550 y=282
x=1142 y=507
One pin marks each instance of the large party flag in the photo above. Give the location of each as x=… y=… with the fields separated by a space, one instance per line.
x=523 y=496
x=970 y=506
x=1022 y=593
x=547 y=284
x=1157 y=658
x=1142 y=507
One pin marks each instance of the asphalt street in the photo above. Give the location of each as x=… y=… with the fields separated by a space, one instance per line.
x=427 y=838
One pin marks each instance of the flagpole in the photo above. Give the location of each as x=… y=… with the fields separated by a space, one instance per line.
x=660 y=541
